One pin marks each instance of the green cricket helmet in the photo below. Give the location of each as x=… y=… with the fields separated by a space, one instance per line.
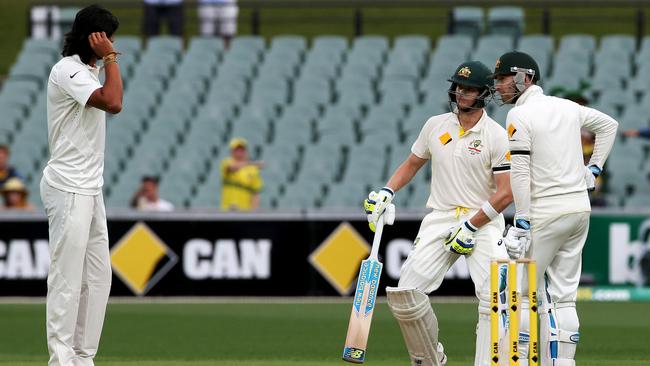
x=514 y=62
x=471 y=74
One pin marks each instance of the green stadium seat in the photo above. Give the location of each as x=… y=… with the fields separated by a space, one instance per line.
x=362 y=97
x=584 y=42
x=536 y=42
x=326 y=70
x=420 y=195
x=205 y=45
x=10 y=86
x=128 y=45
x=289 y=43
x=313 y=96
x=375 y=43
x=500 y=42
x=344 y=196
x=402 y=70
x=416 y=43
x=467 y=20
x=638 y=200
x=33 y=69
x=49 y=45
x=603 y=80
x=255 y=43
x=488 y=56
x=325 y=42
x=160 y=44
x=635 y=116
x=619 y=43
x=337 y=124
x=508 y=20
x=461 y=42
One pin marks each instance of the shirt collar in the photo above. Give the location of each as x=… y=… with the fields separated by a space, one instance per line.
x=529 y=93
x=78 y=60
x=477 y=127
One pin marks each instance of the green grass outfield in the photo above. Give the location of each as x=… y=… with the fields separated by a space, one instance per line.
x=296 y=334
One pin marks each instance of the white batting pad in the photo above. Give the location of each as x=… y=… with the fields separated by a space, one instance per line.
x=558 y=332
x=412 y=309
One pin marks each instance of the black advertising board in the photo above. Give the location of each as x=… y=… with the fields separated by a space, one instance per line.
x=223 y=255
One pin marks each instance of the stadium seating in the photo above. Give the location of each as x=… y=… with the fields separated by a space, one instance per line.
x=330 y=117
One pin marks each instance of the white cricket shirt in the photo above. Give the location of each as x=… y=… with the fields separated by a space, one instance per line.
x=462 y=163
x=547 y=175
x=76 y=131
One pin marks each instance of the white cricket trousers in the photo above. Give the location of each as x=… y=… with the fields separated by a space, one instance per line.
x=79 y=278
x=556 y=245
x=427 y=264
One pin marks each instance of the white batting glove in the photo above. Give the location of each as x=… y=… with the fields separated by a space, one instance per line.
x=591 y=173
x=380 y=200
x=460 y=238
x=517 y=240
x=369 y=206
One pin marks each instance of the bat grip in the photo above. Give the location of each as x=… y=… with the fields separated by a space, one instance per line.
x=374 y=252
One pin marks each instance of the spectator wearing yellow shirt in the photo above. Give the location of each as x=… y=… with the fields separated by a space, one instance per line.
x=240 y=179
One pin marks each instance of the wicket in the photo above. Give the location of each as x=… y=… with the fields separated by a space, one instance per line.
x=514 y=312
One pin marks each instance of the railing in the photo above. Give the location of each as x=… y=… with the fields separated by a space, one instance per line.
x=355 y=18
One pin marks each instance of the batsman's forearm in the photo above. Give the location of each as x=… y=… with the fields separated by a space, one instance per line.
x=499 y=201
x=402 y=176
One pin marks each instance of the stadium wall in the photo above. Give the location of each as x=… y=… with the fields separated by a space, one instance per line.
x=286 y=254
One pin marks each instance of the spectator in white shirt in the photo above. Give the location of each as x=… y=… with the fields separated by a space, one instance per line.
x=147 y=197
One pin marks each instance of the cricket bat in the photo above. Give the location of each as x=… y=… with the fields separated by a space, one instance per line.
x=364 y=302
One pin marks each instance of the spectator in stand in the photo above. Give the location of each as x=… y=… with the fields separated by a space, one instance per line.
x=218 y=18
x=641 y=132
x=147 y=197
x=157 y=10
x=240 y=178
x=15 y=195
x=6 y=171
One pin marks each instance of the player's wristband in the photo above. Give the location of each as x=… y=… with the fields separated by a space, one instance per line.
x=489 y=211
x=595 y=170
x=470 y=227
x=389 y=190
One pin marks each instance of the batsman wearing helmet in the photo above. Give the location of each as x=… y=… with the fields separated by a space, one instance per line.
x=470 y=186
x=549 y=185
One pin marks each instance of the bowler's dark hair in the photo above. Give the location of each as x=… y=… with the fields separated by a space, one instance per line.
x=88 y=20
x=151 y=178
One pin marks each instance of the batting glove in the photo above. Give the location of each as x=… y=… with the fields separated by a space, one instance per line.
x=460 y=239
x=376 y=204
x=517 y=239
x=591 y=173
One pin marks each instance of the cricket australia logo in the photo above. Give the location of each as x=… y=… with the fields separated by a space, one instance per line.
x=465 y=72
x=475 y=147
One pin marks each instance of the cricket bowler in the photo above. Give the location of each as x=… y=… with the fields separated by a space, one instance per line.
x=79 y=278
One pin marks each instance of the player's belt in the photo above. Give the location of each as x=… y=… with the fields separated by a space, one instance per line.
x=460 y=210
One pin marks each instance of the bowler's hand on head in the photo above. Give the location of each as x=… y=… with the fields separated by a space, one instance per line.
x=100 y=44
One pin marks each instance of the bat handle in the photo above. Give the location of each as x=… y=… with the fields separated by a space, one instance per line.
x=374 y=252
